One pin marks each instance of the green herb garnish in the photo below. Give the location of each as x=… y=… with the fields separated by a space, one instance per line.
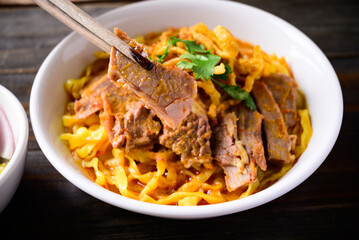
x=238 y=93
x=202 y=64
x=191 y=47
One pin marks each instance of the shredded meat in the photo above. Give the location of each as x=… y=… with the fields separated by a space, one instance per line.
x=167 y=91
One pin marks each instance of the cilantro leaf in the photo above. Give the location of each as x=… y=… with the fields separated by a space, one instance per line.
x=238 y=93
x=185 y=65
x=202 y=64
x=191 y=47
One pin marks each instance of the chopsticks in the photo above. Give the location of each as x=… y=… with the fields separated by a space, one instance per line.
x=81 y=22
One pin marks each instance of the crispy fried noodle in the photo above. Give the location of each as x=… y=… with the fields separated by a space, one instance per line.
x=133 y=133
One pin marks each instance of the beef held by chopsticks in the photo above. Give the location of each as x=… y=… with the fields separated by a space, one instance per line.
x=167 y=91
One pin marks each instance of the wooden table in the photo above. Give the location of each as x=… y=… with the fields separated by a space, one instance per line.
x=325 y=206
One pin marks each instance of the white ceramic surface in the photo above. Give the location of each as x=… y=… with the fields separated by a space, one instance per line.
x=11 y=175
x=311 y=68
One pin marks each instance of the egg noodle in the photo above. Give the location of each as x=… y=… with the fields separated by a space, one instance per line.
x=159 y=176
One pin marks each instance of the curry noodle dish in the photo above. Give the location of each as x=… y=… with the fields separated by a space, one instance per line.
x=215 y=120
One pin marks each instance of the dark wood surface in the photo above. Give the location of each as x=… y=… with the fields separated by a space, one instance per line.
x=325 y=206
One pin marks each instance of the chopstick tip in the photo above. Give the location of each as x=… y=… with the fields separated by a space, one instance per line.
x=141 y=60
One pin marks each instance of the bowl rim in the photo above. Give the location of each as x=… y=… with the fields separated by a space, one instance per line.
x=185 y=212
x=21 y=146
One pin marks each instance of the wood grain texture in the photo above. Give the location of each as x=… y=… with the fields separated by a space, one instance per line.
x=30 y=2
x=325 y=206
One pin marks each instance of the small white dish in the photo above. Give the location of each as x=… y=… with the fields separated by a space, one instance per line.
x=312 y=70
x=10 y=177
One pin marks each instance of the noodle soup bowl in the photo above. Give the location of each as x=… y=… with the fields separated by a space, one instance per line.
x=309 y=65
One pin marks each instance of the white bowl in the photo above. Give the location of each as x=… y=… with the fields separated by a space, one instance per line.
x=311 y=68
x=16 y=116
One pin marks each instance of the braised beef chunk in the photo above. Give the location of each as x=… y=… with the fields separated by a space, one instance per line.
x=191 y=140
x=117 y=99
x=131 y=42
x=137 y=128
x=284 y=91
x=107 y=120
x=235 y=180
x=91 y=101
x=230 y=154
x=126 y=120
x=101 y=90
x=224 y=147
x=167 y=91
x=250 y=133
x=278 y=142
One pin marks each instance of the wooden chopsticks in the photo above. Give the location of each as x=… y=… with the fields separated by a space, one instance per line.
x=81 y=22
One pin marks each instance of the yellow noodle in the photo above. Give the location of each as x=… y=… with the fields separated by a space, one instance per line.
x=73 y=86
x=189 y=201
x=253 y=67
x=175 y=197
x=251 y=189
x=307 y=132
x=172 y=61
x=100 y=177
x=271 y=177
x=152 y=184
x=215 y=97
x=228 y=48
